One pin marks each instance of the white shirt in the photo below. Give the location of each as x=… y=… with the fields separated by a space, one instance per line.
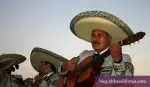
x=43 y=83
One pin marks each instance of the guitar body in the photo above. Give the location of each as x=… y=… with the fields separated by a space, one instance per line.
x=60 y=81
x=71 y=79
x=67 y=81
x=84 y=75
x=85 y=78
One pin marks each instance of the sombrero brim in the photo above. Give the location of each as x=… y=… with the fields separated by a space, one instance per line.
x=84 y=23
x=39 y=54
x=10 y=59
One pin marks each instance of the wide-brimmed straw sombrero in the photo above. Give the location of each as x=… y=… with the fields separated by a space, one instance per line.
x=40 y=54
x=83 y=24
x=8 y=60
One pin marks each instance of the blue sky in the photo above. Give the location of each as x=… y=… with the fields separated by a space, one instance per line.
x=25 y=24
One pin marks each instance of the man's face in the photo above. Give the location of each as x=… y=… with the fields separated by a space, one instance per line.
x=4 y=72
x=45 y=67
x=2 y=65
x=1 y=73
x=100 y=40
x=42 y=67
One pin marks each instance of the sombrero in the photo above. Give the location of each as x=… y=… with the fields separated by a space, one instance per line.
x=40 y=54
x=8 y=60
x=83 y=24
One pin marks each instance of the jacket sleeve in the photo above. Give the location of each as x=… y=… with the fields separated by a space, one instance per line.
x=27 y=84
x=79 y=58
x=124 y=67
x=65 y=72
x=52 y=81
x=16 y=81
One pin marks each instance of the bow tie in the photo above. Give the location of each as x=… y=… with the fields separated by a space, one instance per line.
x=46 y=78
x=100 y=58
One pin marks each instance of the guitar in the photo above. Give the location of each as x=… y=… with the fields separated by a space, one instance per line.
x=84 y=74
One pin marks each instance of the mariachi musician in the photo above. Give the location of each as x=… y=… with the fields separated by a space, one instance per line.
x=102 y=30
x=46 y=63
x=8 y=64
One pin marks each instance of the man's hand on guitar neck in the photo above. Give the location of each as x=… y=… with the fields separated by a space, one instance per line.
x=69 y=65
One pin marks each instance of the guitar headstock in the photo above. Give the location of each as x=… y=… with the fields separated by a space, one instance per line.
x=133 y=38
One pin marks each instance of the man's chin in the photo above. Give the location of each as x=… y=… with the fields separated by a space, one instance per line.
x=96 y=47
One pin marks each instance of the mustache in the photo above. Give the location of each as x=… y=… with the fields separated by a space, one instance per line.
x=95 y=42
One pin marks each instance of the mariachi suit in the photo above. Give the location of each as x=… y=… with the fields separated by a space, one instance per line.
x=110 y=68
x=12 y=81
x=49 y=81
x=124 y=67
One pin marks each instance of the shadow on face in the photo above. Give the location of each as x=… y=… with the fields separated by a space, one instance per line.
x=100 y=40
x=44 y=66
